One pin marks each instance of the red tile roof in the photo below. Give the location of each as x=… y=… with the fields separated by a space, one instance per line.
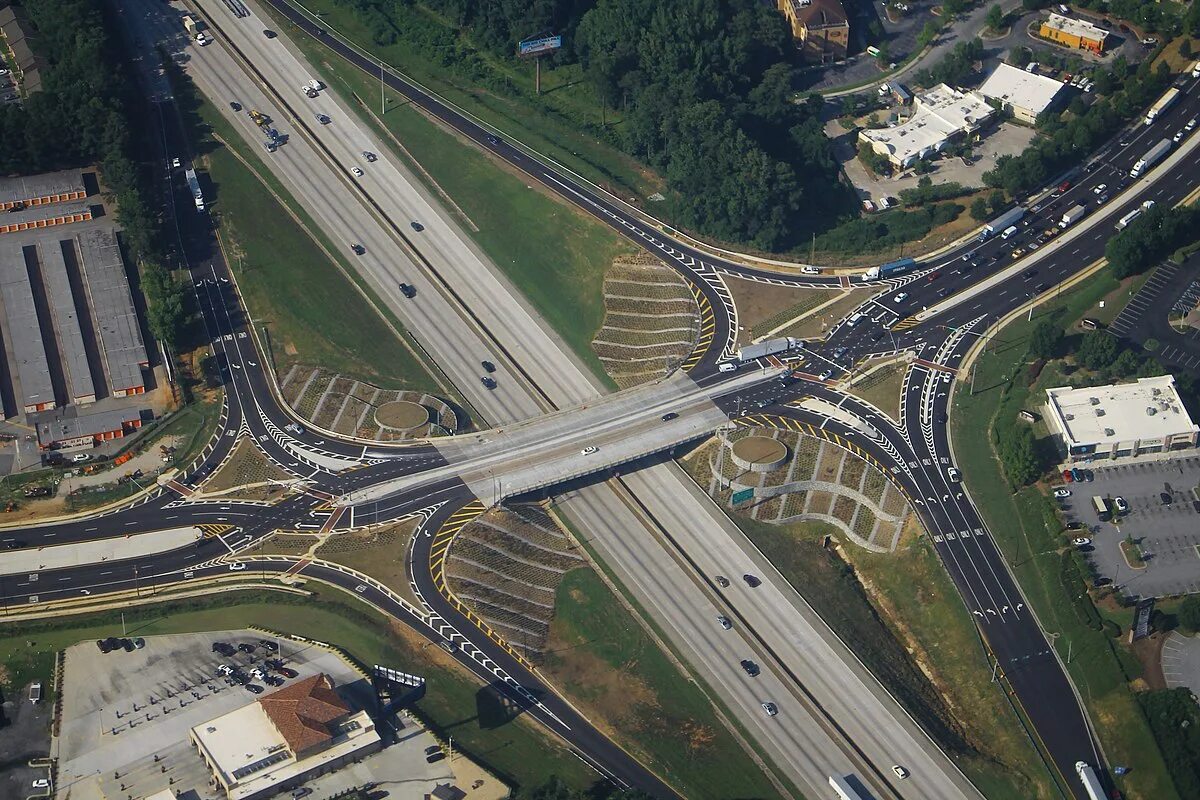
x=302 y=712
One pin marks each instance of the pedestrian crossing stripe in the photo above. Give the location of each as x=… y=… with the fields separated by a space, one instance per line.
x=905 y=324
x=708 y=328
x=213 y=530
x=324 y=507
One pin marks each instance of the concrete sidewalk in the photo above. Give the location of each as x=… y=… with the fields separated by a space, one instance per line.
x=36 y=559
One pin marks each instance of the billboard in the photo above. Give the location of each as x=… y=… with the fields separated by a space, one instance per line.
x=537 y=46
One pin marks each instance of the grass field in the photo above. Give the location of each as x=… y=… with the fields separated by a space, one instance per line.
x=1028 y=533
x=279 y=268
x=553 y=254
x=455 y=704
x=611 y=668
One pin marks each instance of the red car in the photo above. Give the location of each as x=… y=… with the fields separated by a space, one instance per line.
x=1067 y=476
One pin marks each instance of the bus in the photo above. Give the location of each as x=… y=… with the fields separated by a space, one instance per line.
x=1101 y=506
x=844 y=790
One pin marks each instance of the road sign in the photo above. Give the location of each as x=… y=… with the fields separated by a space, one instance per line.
x=542 y=44
x=742 y=495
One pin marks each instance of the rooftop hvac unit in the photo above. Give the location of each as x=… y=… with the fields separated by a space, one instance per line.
x=1099 y=412
x=1109 y=432
x=1151 y=411
x=1069 y=416
x=1156 y=392
x=1094 y=401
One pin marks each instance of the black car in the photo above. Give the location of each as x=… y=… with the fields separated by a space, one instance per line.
x=1165 y=498
x=235 y=105
x=127 y=645
x=254 y=688
x=433 y=758
x=224 y=648
x=751 y=580
x=670 y=415
x=287 y=672
x=488 y=383
x=358 y=249
x=493 y=141
x=408 y=290
x=274 y=663
x=13 y=544
x=416 y=226
x=751 y=668
x=268 y=645
x=269 y=34
x=487 y=366
x=273 y=680
x=103 y=646
x=433 y=748
x=721 y=580
x=246 y=647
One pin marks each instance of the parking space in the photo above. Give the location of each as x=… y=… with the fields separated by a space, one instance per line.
x=1181 y=662
x=1146 y=299
x=1162 y=519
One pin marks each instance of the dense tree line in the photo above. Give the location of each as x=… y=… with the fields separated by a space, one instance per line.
x=1175 y=719
x=926 y=192
x=706 y=90
x=890 y=229
x=556 y=789
x=1069 y=140
x=82 y=117
x=956 y=67
x=1154 y=235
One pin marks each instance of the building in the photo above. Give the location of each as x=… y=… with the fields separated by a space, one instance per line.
x=820 y=27
x=1025 y=94
x=1123 y=420
x=939 y=116
x=17 y=33
x=1076 y=34
x=88 y=430
x=283 y=740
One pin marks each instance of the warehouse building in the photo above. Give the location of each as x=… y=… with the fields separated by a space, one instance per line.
x=283 y=740
x=1076 y=34
x=1025 y=94
x=32 y=367
x=820 y=27
x=77 y=371
x=121 y=344
x=88 y=430
x=940 y=116
x=1121 y=420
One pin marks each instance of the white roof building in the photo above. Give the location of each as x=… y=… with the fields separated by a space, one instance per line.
x=939 y=115
x=1120 y=420
x=1026 y=94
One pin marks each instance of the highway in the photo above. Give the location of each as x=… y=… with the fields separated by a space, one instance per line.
x=652 y=526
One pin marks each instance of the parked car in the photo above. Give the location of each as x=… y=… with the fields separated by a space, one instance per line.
x=1060 y=493
x=1122 y=506
x=1081 y=541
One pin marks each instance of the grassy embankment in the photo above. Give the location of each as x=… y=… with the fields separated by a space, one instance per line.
x=455 y=704
x=1030 y=535
x=553 y=254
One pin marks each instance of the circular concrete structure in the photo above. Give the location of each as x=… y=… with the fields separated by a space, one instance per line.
x=402 y=415
x=759 y=453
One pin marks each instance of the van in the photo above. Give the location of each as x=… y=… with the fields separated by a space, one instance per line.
x=850 y=323
x=727 y=366
x=1027 y=416
x=1008 y=232
x=1089 y=324
x=810 y=270
x=1062 y=9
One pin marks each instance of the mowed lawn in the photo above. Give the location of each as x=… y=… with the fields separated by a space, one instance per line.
x=606 y=663
x=1031 y=536
x=454 y=703
x=553 y=254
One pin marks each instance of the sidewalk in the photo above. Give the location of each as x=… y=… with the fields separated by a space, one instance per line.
x=35 y=559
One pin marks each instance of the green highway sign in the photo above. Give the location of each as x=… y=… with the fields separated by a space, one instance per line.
x=742 y=495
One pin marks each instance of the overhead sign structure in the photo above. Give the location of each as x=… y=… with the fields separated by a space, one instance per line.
x=538 y=45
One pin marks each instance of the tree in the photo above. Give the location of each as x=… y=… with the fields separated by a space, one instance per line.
x=1018 y=454
x=1046 y=339
x=996 y=201
x=1125 y=366
x=995 y=18
x=1189 y=613
x=1098 y=350
x=979 y=209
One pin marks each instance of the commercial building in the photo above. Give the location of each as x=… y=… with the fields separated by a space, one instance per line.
x=284 y=739
x=87 y=430
x=939 y=116
x=820 y=27
x=1121 y=420
x=1025 y=94
x=1077 y=34
x=25 y=334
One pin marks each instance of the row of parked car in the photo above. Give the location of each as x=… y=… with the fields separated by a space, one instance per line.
x=276 y=675
x=113 y=643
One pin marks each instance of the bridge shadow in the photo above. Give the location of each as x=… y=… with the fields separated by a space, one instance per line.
x=600 y=476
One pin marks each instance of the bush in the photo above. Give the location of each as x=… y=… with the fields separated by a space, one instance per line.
x=1189 y=614
x=1150 y=238
x=929 y=192
x=888 y=230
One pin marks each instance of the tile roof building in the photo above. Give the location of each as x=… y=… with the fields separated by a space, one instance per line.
x=283 y=740
x=820 y=26
x=939 y=116
x=1077 y=34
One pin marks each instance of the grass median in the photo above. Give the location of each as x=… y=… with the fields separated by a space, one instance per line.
x=454 y=704
x=1029 y=535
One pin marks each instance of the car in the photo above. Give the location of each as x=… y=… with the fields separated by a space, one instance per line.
x=587 y=451
x=1191 y=124
x=41 y=783
x=433 y=748
x=947 y=377
x=258 y=673
x=933 y=276
x=750 y=667
x=940 y=418
x=1062 y=493
x=825 y=375
x=102 y=646
x=1081 y=541
x=175 y=163
x=369 y=156
x=410 y=292
x=1178 y=137
x=416 y=226
x=670 y=415
x=253 y=688
x=487 y=366
x=303 y=791
x=236 y=566
x=268 y=33
x=1102 y=199
x=273 y=680
x=1149 y=41
x=1068 y=476
x=953 y=474
x=127 y=645
x=80 y=457
x=324 y=120
x=721 y=580
x=224 y=648
x=358 y=249
x=899 y=771
x=287 y=672
x=770 y=708
x=1077 y=474
x=274 y=663
x=1122 y=506
x=1041 y=287
x=808 y=269
x=435 y=757
x=356 y=172
x=1165 y=498
x=1018 y=252
x=900 y=298
x=246 y=647
x=724 y=621
x=13 y=544
x=752 y=581
x=1088 y=475
x=492 y=140
x=488 y=383
x=294 y=428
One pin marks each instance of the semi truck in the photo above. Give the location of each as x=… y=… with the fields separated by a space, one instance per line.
x=1073 y=215
x=1124 y=221
x=1152 y=157
x=767 y=348
x=843 y=789
x=194 y=186
x=191 y=25
x=897 y=267
x=1091 y=784
x=1005 y=220
x=1166 y=101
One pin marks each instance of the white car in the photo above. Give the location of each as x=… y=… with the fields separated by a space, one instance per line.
x=587 y=451
x=1191 y=124
x=41 y=783
x=175 y=163
x=1081 y=541
x=1100 y=188
x=80 y=457
x=900 y=771
x=356 y=172
x=900 y=298
x=954 y=475
x=825 y=375
x=1122 y=506
x=1062 y=492
x=810 y=270
x=236 y=566
x=770 y=708
x=1178 y=137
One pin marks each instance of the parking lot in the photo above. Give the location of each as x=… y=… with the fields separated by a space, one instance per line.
x=1168 y=533
x=24 y=738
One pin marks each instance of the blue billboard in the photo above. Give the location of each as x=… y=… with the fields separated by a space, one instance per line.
x=531 y=47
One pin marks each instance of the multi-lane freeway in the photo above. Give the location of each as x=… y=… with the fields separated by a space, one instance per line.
x=466 y=312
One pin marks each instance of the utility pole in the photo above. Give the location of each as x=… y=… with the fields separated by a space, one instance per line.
x=382 y=96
